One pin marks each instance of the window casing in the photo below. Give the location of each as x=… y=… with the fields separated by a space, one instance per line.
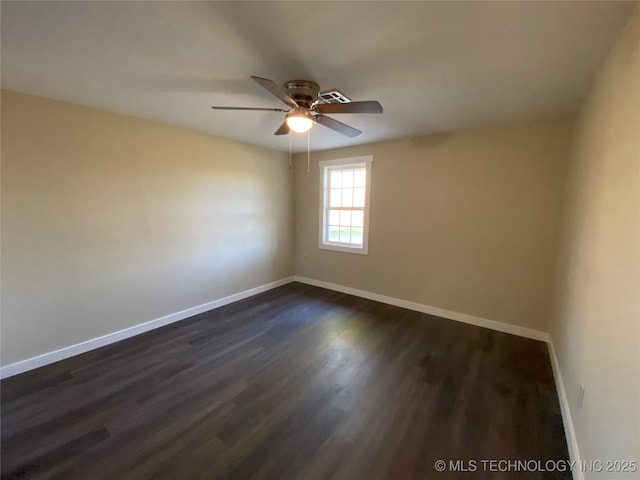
x=344 y=204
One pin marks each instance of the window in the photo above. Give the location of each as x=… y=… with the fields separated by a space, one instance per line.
x=344 y=204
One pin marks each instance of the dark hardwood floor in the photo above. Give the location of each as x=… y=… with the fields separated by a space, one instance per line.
x=296 y=383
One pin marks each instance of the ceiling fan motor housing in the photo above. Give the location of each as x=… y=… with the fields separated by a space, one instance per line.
x=303 y=92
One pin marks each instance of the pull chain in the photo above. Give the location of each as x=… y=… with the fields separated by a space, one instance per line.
x=308 y=151
x=290 y=161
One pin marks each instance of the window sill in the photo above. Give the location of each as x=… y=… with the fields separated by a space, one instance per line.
x=344 y=248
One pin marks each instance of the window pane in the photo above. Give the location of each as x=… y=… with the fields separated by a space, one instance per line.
x=347 y=178
x=345 y=189
x=336 y=178
x=345 y=218
x=334 y=217
x=357 y=218
x=347 y=197
x=335 y=197
x=356 y=236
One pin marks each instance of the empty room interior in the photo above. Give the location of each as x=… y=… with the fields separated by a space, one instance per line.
x=320 y=240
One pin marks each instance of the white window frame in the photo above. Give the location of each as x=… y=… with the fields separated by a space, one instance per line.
x=325 y=167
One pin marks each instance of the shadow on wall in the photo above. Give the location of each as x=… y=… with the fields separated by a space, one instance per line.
x=431 y=141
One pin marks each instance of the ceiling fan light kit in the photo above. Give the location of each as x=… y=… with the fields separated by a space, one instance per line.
x=307 y=106
x=299 y=121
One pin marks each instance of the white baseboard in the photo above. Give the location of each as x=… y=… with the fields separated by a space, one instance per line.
x=78 y=348
x=440 y=312
x=569 y=431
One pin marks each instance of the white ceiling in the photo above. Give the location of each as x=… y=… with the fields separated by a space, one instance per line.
x=434 y=66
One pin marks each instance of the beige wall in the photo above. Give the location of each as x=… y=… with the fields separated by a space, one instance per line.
x=109 y=221
x=596 y=324
x=465 y=221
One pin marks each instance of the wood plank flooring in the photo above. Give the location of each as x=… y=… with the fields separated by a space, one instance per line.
x=296 y=383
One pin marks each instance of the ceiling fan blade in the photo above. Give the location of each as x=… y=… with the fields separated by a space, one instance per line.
x=343 y=128
x=251 y=108
x=370 y=106
x=276 y=90
x=283 y=130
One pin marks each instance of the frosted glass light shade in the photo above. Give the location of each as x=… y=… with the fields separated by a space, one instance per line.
x=299 y=122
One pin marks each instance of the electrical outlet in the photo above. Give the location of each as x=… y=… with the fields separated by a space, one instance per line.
x=580 y=395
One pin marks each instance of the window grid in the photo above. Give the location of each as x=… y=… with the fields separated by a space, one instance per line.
x=344 y=204
x=344 y=207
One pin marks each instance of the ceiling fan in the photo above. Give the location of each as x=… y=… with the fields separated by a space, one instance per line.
x=307 y=106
